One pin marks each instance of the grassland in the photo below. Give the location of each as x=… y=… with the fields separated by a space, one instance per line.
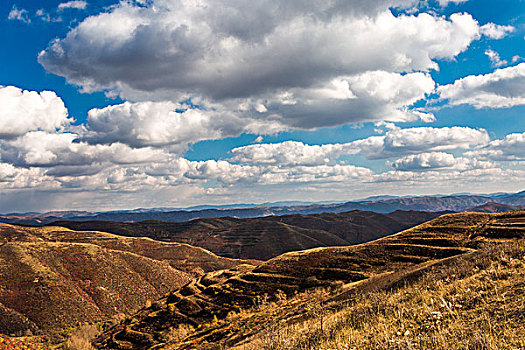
x=475 y=303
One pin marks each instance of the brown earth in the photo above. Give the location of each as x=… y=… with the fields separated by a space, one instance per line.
x=267 y=237
x=53 y=278
x=223 y=309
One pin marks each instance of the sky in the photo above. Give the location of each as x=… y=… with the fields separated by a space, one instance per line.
x=109 y=104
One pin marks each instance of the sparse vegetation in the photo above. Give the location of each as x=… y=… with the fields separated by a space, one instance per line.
x=476 y=303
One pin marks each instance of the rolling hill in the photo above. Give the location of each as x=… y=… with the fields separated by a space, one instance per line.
x=54 y=278
x=266 y=237
x=249 y=306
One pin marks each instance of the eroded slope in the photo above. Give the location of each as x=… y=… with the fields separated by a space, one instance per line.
x=54 y=278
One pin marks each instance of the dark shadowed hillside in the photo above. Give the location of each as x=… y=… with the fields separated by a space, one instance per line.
x=267 y=237
x=239 y=306
x=53 y=278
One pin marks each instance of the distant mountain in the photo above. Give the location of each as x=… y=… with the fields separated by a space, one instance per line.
x=266 y=237
x=492 y=207
x=379 y=204
x=54 y=278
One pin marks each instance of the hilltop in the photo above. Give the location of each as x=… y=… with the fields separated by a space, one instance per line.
x=267 y=237
x=256 y=307
x=55 y=278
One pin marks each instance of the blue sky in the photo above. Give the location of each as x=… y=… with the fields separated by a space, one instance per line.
x=304 y=101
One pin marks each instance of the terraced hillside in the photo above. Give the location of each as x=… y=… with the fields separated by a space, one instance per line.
x=227 y=308
x=53 y=278
x=267 y=237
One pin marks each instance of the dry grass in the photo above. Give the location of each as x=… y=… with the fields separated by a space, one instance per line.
x=81 y=338
x=476 y=303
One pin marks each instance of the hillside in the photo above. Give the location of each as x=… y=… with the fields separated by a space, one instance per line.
x=267 y=237
x=54 y=278
x=256 y=306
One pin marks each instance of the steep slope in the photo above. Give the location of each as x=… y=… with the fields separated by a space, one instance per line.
x=267 y=237
x=222 y=309
x=53 y=278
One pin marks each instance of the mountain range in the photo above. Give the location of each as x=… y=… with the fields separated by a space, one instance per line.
x=380 y=204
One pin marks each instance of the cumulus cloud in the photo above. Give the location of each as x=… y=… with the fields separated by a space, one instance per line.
x=395 y=143
x=510 y=148
x=228 y=173
x=24 y=111
x=437 y=160
x=288 y=153
x=160 y=124
x=503 y=88
x=12 y=177
x=42 y=149
x=265 y=58
x=417 y=140
x=375 y=95
x=485 y=179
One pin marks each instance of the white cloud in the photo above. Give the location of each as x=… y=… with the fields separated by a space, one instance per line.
x=288 y=153
x=75 y=4
x=484 y=180
x=400 y=142
x=12 y=177
x=265 y=56
x=437 y=160
x=42 y=149
x=17 y=14
x=24 y=111
x=374 y=95
x=495 y=59
x=159 y=124
x=503 y=88
x=395 y=143
x=510 y=148
x=494 y=31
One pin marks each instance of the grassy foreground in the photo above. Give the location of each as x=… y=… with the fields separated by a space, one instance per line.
x=478 y=302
